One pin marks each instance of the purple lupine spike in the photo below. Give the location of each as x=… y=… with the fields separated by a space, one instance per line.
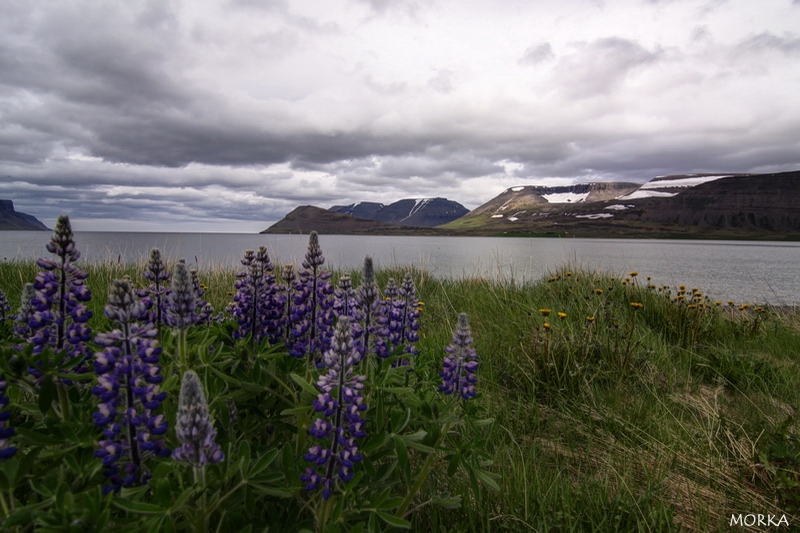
x=255 y=306
x=345 y=303
x=403 y=317
x=181 y=305
x=284 y=298
x=6 y=449
x=341 y=404
x=312 y=315
x=60 y=316
x=128 y=378
x=194 y=428
x=373 y=313
x=460 y=363
x=156 y=294
x=22 y=320
x=5 y=307
x=205 y=310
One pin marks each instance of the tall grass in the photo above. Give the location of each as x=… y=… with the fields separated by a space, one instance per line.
x=670 y=414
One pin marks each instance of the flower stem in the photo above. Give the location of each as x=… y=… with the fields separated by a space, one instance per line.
x=63 y=399
x=421 y=477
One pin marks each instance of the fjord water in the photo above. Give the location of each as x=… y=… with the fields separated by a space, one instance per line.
x=743 y=271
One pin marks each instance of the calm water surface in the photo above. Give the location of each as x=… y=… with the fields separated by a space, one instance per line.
x=726 y=270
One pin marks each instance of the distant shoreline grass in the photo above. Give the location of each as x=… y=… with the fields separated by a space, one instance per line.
x=618 y=406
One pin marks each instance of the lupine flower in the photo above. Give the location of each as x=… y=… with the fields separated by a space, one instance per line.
x=5 y=307
x=22 y=320
x=254 y=306
x=312 y=317
x=156 y=294
x=60 y=316
x=460 y=363
x=373 y=312
x=345 y=303
x=181 y=304
x=128 y=377
x=204 y=310
x=341 y=403
x=283 y=300
x=6 y=450
x=404 y=318
x=194 y=428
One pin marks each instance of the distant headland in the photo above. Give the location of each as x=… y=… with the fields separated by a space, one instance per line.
x=14 y=220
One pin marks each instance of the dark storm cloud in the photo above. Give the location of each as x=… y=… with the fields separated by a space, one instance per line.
x=244 y=109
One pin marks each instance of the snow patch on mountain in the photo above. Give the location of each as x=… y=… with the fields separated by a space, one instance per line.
x=680 y=182
x=565 y=197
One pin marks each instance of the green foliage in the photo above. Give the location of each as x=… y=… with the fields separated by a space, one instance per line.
x=659 y=418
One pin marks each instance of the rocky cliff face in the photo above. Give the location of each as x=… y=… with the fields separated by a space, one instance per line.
x=426 y=212
x=764 y=202
x=14 y=220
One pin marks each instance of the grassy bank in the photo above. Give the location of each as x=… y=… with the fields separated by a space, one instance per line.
x=616 y=405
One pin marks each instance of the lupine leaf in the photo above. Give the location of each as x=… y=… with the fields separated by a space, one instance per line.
x=137 y=507
x=488 y=479
x=305 y=385
x=394 y=521
x=391 y=503
x=263 y=462
x=47 y=394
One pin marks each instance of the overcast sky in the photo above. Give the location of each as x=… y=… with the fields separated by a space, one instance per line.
x=223 y=115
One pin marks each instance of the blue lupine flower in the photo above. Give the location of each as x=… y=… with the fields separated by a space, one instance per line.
x=340 y=403
x=60 y=316
x=403 y=316
x=22 y=320
x=346 y=303
x=373 y=312
x=156 y=293
x=181 y=306
x=283 y=299
x=255 y=308
x=6 y=449
x=460 y=363
x=204 y=310
x=194 y=428
x=128 y=378
x=312 y=316
x=5 y=307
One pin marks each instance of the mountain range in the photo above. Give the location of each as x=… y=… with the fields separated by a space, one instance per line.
x=710 y=205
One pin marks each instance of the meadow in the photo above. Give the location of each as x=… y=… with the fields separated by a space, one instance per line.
x=600 y=403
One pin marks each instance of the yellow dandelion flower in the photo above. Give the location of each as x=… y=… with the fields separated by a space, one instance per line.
x=682 y=287
x=590 y=319
x=569 y=273
x=637 y=305
x=692 y=306
x=717 y=303
x=561 y=315
x=598 y=291
x=229 y=293
x=546 y=325
x=634 y=274
x=545 y=312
